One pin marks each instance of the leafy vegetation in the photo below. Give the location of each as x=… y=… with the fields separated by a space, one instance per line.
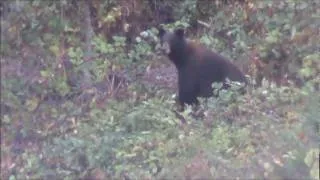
x=84 y=93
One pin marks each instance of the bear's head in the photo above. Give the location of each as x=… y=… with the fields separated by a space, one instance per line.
x=171 y=42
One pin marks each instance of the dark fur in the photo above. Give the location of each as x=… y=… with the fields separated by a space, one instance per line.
x=198 y=67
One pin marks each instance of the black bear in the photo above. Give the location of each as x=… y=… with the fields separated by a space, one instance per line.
x=197 y=66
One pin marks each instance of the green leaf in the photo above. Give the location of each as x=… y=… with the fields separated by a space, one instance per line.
x=44 y=73
x=311 y=157
x=32 y=103
x=54 y=49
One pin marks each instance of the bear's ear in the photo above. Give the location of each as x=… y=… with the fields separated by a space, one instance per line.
x=179 y=32
x=161 y=32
